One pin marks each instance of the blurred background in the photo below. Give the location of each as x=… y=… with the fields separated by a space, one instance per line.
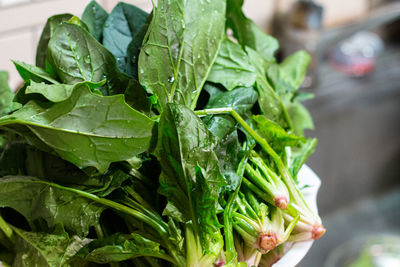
x=355 y=79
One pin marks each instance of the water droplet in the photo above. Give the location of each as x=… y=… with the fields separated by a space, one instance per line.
x=106 y=25
x=78 y=57
x=141 y=71
x=198 y=56
x=87 y=59
x=171 y=79
x=91 y=145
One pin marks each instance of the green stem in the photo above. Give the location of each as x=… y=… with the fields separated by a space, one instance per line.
x=264 y=196
x=256 y=178
x=116 y=206
x=7 y=230
x=99 y=231
x=228 y=229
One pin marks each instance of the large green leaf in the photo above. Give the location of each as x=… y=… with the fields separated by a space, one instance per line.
x=46 y=250
x=232 y=67
x=120 y=247
x=248 y=33
x=6 y=95
x=121 y=27
x=48 y=29
x=87 y=129
x=191 y=178
x=94 y=16
x=183 y=42
x=76 y=56
x=36 y=74
x=36 y=199
x=57 y=92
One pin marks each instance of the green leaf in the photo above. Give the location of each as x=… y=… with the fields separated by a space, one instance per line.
x=276 y=136
x=299 y=155
x=248 y=33
x=43 y=249
x=76 y=56
x=121 y=27
x=240 y=99
x=270 y=102
x=228 y=152
x=87 y=129
x=136 y=97
x=36 y=199
x=134 y=48
x=58 y=92
x=6 y=95
x=94 y=16
x=183 y=42
x=36 y=74
x=48 y=29
x=300 y=117
x=190 y=179
x=120 y=247
x=232 y=67
x=294 y=68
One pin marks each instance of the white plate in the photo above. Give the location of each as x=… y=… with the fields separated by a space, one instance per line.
x=299 y=249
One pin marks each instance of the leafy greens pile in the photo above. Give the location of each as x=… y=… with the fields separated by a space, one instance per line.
x=154 y=140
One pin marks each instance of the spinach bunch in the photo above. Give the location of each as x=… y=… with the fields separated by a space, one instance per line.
x=154 y=140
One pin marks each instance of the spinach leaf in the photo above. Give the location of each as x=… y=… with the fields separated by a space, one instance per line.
x=6 y=95
x=120 y=28
x=181 y=48
x=36 y=199
x=297 y=156
x=190 y=179
x=286 y=78
x=276 y=136
x=300 y=117
x=58 y=92
x=76 y=56
x=232 y=67
x=43 y=249
x=294 y=68
x=228 y=151
x=87 y=129
x=94 y=16
x=120 y=247
x=36 y=74
x=134 y=48
x=269 y=100
x=136 y=97
x=248 y=33
x=240 y=99
x=48 y=29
